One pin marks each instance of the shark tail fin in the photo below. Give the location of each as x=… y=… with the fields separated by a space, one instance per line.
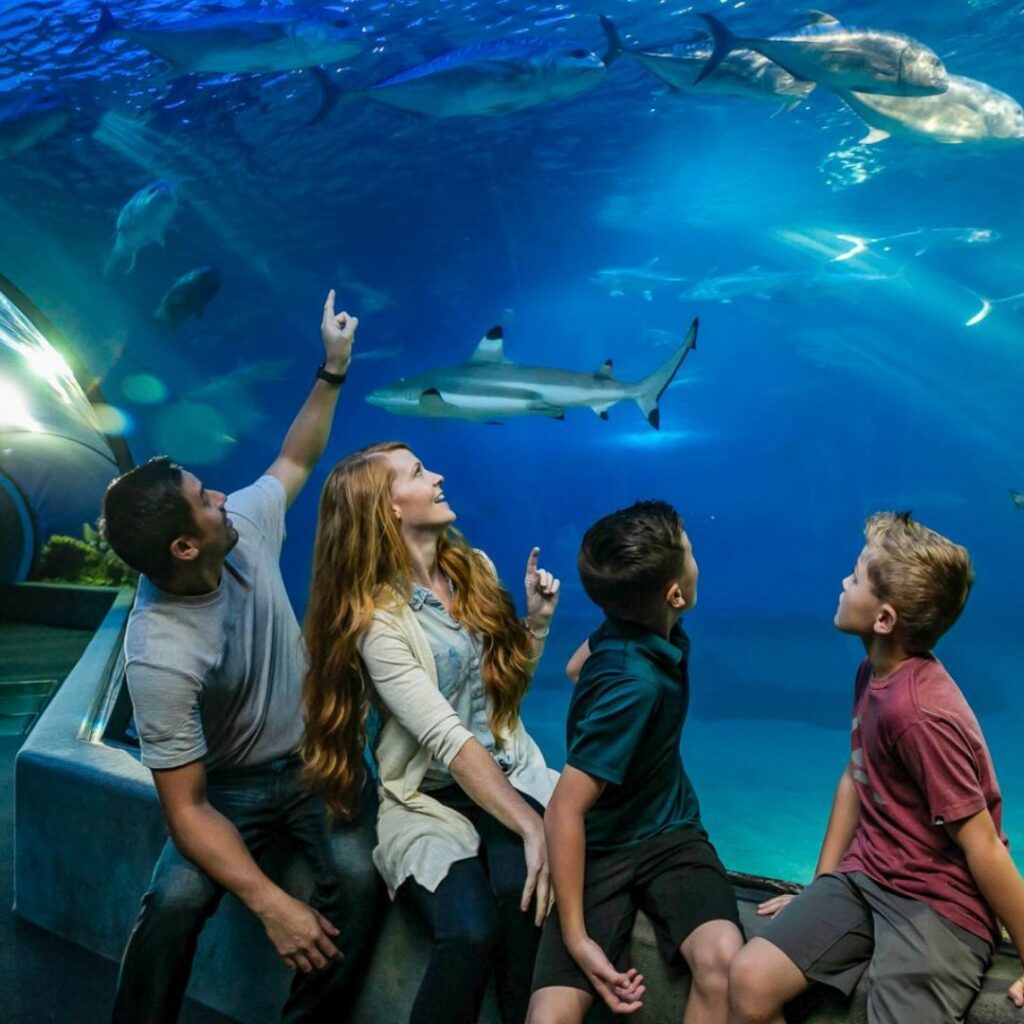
x=106 y=26
x=616 y=48
x=330 y=95
x=725 y=43
x=652 y=387
x=983 y=312
x=857 y=246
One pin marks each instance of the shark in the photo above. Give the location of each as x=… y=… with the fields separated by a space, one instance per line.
x=489 y=387
x=644 y=280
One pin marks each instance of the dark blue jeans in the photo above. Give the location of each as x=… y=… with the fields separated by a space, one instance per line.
x=477 y=926
x=267 y=804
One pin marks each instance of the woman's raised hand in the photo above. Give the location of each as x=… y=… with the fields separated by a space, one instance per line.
x=541 y=595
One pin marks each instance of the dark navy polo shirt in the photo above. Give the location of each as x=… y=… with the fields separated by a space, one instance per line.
x=625 y=722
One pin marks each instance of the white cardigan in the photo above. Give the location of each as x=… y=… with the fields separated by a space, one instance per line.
x=417 y=835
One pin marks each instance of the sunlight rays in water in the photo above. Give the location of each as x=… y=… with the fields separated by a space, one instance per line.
x=161 y=156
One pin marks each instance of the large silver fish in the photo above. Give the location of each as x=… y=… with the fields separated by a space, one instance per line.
x=30 y=117
x=779 y=284
x=826 y=52
x=244 y=40
x=188 y=296
x=490 y=387
x=745 y=74
x=496 y=77
x=968 y=113
x=142 y=221
x=643 y=280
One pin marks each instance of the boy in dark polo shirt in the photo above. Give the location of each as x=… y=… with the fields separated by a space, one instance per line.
x=623 y=826
x=914 y=869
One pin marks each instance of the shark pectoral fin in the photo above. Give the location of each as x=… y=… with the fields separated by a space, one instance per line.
x=432 y=400
x=604 y=371
x=554 y=412
x=874 y=136
x=491 y=347
x=786 y=106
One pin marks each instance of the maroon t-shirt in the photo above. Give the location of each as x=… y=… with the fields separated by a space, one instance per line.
x=919 y=760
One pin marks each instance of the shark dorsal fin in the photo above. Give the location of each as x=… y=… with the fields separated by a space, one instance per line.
x=604 y=371
x=820 y=17
x=491 y=348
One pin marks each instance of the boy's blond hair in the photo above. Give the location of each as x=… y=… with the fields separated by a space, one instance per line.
x=924 y=576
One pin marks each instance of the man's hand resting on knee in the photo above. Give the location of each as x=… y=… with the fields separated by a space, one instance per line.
x=301 y=935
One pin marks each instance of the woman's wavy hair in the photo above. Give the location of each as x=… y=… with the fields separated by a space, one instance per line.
x=361 y=563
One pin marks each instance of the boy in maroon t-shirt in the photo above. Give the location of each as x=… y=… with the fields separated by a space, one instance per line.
x=914 y=869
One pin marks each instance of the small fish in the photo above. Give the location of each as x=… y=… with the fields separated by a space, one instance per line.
x=496 y=77
x=921 y=239
x=243 y=40
x=188 y=296
x=745 y=74
x=968 y=113
x=143 y=221
x=644 y=280
x=1017 y=498
x=30 y=116
x=826 y=52
x=490 y=387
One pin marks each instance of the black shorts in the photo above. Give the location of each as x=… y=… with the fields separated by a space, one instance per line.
x=675 y=878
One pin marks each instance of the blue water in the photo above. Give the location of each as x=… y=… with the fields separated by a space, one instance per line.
x=794 y=418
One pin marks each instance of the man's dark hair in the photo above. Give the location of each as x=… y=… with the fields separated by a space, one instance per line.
x=143 y=511
x=628 y=558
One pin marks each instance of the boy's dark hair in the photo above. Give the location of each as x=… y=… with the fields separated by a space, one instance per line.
x=922 y=574
x=628 y=558
x=143 y=511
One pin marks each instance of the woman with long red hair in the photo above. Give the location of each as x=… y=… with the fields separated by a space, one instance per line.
x=406 y=618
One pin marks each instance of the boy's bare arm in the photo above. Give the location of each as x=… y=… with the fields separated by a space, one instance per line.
x=574 y=795
x=580 y=655
x=842 y=824
x=997 y=879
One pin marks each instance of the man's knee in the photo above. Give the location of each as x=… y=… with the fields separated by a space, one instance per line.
x=180 y=894
x=754 y=994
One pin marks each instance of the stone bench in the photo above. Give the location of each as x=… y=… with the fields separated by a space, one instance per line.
x=88 y=830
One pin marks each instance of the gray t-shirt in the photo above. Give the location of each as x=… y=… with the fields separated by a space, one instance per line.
x=218 y=677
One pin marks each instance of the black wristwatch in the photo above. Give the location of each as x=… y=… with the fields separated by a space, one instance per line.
x=337 y=379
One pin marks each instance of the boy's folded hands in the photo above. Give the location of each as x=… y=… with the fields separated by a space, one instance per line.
x=622 y=991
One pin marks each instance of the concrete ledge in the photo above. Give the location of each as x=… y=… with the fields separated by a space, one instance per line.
x=88 y=830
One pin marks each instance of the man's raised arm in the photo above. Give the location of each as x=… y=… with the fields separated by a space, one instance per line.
x=307 y=437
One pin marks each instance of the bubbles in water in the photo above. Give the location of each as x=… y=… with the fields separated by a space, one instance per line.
x=113 y=421
x=144 y=389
